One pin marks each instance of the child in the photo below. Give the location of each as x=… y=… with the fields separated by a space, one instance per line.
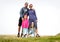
x=32 y=30
x=25 y=25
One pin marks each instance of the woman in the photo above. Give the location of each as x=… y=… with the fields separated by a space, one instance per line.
x=33 y=18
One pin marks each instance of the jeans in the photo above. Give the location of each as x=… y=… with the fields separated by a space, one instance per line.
x=25 y=31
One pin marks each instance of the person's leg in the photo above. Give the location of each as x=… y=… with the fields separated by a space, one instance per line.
x=18 y=31
x=32 y=32
x=19 y=26
x=26 y=35
x=25 y=32
x=36 y=30
x=29 y=27
x=22 y=33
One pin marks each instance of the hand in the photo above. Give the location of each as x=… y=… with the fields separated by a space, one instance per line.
x=22 y=19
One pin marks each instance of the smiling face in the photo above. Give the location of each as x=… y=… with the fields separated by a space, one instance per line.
x=26 y=4
x=25 y=16
x=30 y=6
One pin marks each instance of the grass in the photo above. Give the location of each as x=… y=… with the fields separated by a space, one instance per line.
x=7 y=38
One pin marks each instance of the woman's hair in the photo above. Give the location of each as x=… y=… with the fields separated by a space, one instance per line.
x=31 y=5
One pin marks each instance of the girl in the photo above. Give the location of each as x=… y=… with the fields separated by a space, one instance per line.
x=25 y=25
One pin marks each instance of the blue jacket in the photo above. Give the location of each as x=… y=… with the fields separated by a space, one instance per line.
x=23 y=11
x=32 y=15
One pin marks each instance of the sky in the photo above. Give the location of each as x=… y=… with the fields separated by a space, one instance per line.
x=47 y=11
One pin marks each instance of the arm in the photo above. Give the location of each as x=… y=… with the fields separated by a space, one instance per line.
x=35 y=14
x=21 y=12
x=28 y=12
x=28 y=23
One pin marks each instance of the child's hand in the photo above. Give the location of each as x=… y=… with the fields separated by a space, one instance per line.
x=22 y=19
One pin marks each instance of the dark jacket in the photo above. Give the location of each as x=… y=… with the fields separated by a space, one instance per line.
x=23 y=11
x=32 y=14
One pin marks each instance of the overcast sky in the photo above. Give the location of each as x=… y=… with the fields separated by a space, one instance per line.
x=47 y=11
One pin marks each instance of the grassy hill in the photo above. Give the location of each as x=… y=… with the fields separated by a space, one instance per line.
x=12 y=38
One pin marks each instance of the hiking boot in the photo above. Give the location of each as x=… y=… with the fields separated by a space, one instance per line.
x=25 y=35
x=37 y=35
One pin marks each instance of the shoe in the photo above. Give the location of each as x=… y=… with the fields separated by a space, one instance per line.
x=37 y=35
x=25 y=35
x=18 y=35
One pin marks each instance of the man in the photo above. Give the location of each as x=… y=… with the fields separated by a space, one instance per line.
x=22 y=12
x=33 y=18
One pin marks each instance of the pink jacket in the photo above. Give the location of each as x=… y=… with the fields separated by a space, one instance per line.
x=25 y=23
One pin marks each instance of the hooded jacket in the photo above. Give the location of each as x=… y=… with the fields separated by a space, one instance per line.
x=32 y=15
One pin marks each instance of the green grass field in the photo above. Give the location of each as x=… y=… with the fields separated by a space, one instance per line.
x=12 y=38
